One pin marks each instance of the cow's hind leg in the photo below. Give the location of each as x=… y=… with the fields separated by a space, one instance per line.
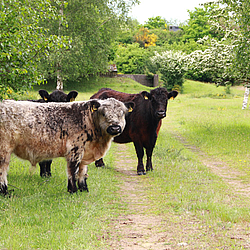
x=82 y=178
x=72 y=170
x=4 y=165
x=140 y=154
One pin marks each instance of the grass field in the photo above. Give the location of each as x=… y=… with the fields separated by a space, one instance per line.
x=40 y=214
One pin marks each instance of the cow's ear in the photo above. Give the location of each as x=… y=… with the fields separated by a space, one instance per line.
x=146 y=95
x=94 y=105
x=44 y=94
x=130 y=106
x=172 y=94
x=72 y=96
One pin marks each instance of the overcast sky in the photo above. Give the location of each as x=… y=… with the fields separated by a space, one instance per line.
x=168 y=9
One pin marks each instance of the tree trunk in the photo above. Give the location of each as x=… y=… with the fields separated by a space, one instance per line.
x=59 y=79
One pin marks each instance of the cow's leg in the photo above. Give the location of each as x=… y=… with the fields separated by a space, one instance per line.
x=140 y=152
x=42 y=165
x=72 y=171
x=4 y=165
x=82 y=177
x=99 y=163
x=149 y=165
x=48 y=167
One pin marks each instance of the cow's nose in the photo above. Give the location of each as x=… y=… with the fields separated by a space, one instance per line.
x=114 y=129
x=161 y=114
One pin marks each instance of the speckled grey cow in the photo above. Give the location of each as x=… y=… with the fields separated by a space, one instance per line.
x=80 y=131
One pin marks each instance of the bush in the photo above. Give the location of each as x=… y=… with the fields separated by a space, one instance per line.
x=131 y=59
x=171 y=66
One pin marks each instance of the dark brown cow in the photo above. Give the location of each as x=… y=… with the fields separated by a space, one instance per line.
x=55 y=96
x=143 y=124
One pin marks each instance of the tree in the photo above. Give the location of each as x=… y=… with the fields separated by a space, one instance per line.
x=156 y=23
x=92 y=26
x=23 y=42
x=198 y=26
x=232 y=19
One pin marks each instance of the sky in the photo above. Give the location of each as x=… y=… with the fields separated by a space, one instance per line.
x=168 y=9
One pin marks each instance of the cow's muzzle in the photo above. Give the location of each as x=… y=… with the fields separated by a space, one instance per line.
x=114 y=129
x=161 y=114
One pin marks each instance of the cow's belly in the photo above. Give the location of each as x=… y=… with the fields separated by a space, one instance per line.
x=36 y=152
x=94 y=151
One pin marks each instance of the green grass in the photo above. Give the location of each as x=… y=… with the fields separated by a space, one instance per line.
x=218 y=126
x=40 y=214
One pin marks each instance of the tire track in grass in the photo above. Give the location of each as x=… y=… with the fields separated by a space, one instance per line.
x=220 y=168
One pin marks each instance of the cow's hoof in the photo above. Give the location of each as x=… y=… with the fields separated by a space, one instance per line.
x=4 y=189
x=141 y=172
x=84 y=189
x=82 y=186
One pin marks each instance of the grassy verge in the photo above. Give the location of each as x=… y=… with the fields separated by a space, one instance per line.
x=217 y=125
x=41 y=214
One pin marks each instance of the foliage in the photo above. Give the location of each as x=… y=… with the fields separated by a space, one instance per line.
x=144 y=38
x=215 y=64
x=156 y=23
x=92 y=26
x=23 y=42
x=131 y=59
x=128 y=31
x=232 y=20
x=171 y=66
x=198 y=26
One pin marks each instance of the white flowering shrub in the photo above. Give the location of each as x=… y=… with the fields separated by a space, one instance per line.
x=215 y=64
x=171 y=66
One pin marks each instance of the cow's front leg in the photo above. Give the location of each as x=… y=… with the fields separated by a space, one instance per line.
x=42 y=165
x=72 y=170
x=140 y=153
x=48 y=167
x=149 y=165
x=82 y=178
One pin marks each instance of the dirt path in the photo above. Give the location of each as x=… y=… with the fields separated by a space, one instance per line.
x=229 y=175
x=140 y=229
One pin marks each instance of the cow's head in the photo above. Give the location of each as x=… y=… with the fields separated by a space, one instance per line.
x=110 y=115
x=58 y=96
x=159 y=100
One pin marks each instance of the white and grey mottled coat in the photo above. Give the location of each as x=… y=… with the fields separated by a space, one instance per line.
x=80 y=131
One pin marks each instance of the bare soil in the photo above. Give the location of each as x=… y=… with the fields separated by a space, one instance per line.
x=142 y=229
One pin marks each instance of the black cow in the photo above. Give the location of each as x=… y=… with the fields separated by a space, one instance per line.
x=55 y=96
x=143 y=124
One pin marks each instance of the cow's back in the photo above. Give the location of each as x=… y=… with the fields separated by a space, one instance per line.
x=38 y=131
x=139 y=123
